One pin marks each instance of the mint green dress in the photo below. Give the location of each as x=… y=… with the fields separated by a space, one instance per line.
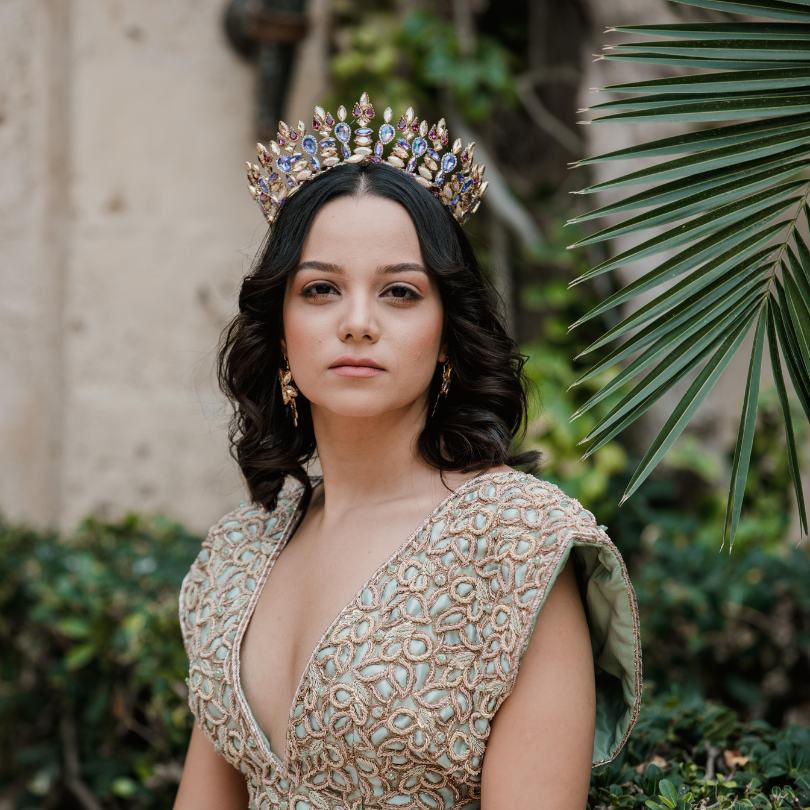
x=394 y=706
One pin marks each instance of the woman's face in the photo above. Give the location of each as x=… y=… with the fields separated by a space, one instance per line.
x=359 y=292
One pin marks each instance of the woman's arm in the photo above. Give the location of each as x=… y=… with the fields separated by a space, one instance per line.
x=540 y=747
x=209 y=782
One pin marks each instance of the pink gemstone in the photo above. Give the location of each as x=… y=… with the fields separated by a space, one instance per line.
x=401 y=123
x=281 y=140
x=356 y=110
x=293 y=135
x=415 y=125
x=329 y=119
x=316 y=124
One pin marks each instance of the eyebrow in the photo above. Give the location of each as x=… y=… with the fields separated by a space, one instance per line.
x=329 y=267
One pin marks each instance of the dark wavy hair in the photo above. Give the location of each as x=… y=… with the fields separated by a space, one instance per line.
x=476 y=422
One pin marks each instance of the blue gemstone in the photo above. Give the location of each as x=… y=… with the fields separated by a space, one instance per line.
x=346 y=151
x=314 y=163
x=262 y=184
x=387 y=133
x=378 y=149
x=310 y=144
x=363 y=131
x=438 y=179
x=410 y=165
x=343 y=131
x=327 y=143
x=404 y=144
x=284 y=163
x=466 y=184
x=419 y=146
x=449 y=162
x=455 y=200
x=433 y=154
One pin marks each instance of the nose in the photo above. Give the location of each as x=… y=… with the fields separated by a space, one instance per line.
x=358 y=317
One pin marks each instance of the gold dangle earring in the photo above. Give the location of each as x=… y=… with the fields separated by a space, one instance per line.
x=288 y=390
x=446 y=370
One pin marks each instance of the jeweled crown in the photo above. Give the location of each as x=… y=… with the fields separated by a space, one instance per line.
x=297 y=156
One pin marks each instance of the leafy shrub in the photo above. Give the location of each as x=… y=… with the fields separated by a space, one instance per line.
x=93 y=706
x=734 y=628
x=92 y=693
x=687 y=753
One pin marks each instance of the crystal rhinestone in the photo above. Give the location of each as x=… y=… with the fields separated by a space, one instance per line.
x=439 y=178
x=419 y=146
x=327 y=143
x=284 y=163
x=310 y=144
x=403 y=143
x=329 y=119
x=378 y=150
x=364 y=131
x=387 y=133
x=343 y=132
x=346 y=151
x=266 y=189
x=449 y=162
x=410 y=165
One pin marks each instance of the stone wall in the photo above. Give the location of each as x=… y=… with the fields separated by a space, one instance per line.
x=126 y=226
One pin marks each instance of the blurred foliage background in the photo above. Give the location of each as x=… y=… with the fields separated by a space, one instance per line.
x=92 y=695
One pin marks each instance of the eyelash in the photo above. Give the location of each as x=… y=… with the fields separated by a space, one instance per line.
x=412 y=295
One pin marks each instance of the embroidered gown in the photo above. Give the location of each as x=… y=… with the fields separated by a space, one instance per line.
x=394 y=706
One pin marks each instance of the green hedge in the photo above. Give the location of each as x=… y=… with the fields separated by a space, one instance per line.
x=735 y=628
x=93 y=697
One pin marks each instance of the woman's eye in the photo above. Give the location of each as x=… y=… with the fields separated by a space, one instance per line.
x=309 y=292
x=409 y=294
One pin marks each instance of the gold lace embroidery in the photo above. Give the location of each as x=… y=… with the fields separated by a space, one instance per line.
x=395 y=704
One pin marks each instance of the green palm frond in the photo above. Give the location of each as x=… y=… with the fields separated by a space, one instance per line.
x=733 y=202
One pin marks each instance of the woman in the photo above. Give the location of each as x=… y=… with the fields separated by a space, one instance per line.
x=363 y=637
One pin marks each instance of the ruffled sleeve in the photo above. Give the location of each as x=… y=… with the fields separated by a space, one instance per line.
x=567 y=528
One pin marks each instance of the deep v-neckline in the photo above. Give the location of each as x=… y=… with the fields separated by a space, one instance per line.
x=256 y=730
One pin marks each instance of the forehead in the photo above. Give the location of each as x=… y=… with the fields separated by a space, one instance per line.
x=364 y=231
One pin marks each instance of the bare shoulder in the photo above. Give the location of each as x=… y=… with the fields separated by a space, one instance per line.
x=541 y=738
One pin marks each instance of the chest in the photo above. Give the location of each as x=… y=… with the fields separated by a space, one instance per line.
x=314 y=578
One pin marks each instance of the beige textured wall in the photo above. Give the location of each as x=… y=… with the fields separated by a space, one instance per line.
x=125 y=226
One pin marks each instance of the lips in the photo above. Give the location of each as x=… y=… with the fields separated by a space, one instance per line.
x=356 y=361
